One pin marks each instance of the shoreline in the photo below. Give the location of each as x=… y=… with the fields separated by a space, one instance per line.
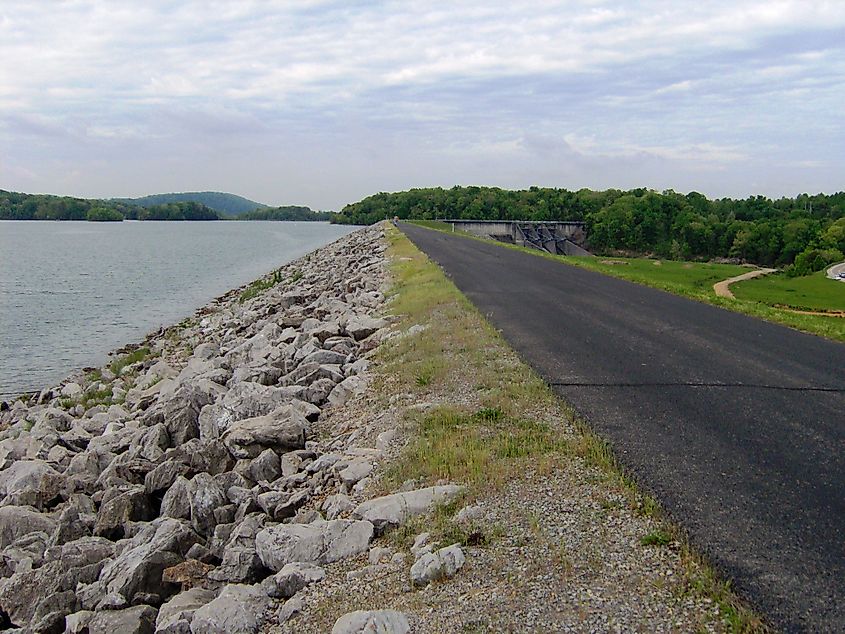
x=68 y=322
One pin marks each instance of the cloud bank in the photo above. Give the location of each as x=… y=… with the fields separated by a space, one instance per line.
x=321 y=102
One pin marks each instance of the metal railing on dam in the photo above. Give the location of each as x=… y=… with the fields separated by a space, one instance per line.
x=554 y=236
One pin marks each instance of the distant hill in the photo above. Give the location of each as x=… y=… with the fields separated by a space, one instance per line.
x=229 y=204
x=291 y=212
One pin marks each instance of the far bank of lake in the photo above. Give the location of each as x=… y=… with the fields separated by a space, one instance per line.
x=70 y=292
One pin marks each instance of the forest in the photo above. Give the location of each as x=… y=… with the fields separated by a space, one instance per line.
x=18 y=206
x=290 y=212
x=802 y=234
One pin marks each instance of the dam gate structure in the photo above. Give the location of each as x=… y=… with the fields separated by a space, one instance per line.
x=554 y=236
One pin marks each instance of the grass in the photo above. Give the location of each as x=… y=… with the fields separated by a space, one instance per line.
x=810 y=292
x=486 y=447
x=693 y=280
x=128 y=359
x=434 y=224
x=260 y=285
x=656 y=538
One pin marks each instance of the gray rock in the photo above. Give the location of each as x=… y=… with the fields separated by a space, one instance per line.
x=469 y=514
x=292 y=578
x=384 y=439
x=336 y=505
x=355 y=471
x=372 y=622
x=204 y=495
x=181 y=414
x=139 y=619
x=283 y=429
x=362 y=326
x=181 y=608
x=265 y=467
x=29 y=482
x=325 y=357
x=138 y=569
x=118 y=509
x=17 y=521
x=164 y=475
x=441 y=564
x=77 y=622
x=176 y=502
x=21 y=593
x=243 y=400
x=238 y=608
x=350 y=386
x=393 y=510
x=71 y=390
x=317 y=543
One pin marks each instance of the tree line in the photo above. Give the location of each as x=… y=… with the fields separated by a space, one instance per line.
x=18 y=206
x=804 y=233
x=290 y=212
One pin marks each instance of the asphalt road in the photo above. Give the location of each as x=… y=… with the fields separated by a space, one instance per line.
x=736 y=425
x=835 y=270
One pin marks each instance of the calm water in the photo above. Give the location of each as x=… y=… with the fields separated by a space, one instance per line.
x=72 y=291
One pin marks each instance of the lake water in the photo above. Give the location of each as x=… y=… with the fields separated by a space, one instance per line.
x=70 y=292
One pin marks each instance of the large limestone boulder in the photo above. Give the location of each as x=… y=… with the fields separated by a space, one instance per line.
x=204 y=495
x=140 y=619
x=372 y=622
x=243 y=400
x=320 y=542
x=238 y=608
x=283 y=430
x=393 y=510
x=139 y=568
x=175 y=616
x=362 y=326
x=119 y=508
x=17 y=521
x=29 y=482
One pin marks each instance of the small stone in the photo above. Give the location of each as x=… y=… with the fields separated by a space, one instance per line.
x=292 y=578
x=372 y=622
x=439 y=565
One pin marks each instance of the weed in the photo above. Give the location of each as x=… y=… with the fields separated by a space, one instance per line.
x=489 y=414
x=656 y=538
x=133 y=357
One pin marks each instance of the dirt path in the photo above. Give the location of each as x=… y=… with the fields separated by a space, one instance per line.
x=723 y=288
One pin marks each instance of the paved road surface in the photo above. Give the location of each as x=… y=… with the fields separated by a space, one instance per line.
x=735 y=424
x=835 y=270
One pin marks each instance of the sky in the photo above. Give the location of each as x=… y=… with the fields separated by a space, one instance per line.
x=322 y=103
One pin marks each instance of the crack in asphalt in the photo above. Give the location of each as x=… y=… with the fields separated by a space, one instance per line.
x=786 y=388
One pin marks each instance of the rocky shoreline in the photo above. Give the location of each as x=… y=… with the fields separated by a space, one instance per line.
x=182 y=489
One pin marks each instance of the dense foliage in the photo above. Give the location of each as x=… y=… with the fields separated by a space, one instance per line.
x=17 y=206
x=668 y=224
x=176 y=211
x=285 y=213
x=228 y=204
x=103 y=214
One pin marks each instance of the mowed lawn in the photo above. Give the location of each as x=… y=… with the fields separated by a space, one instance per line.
x=692 y=277
x=811 y=292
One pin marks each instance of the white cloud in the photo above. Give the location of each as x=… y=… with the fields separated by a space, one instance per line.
x=716 y=82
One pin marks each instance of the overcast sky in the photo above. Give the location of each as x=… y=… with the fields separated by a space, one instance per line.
x=323 y=103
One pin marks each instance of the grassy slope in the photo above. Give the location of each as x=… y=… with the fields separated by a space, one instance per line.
x=695 y=283
x=488 y=446
x=812 y=292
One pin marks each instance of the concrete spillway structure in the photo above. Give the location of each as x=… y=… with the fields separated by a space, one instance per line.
x=560 y=237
